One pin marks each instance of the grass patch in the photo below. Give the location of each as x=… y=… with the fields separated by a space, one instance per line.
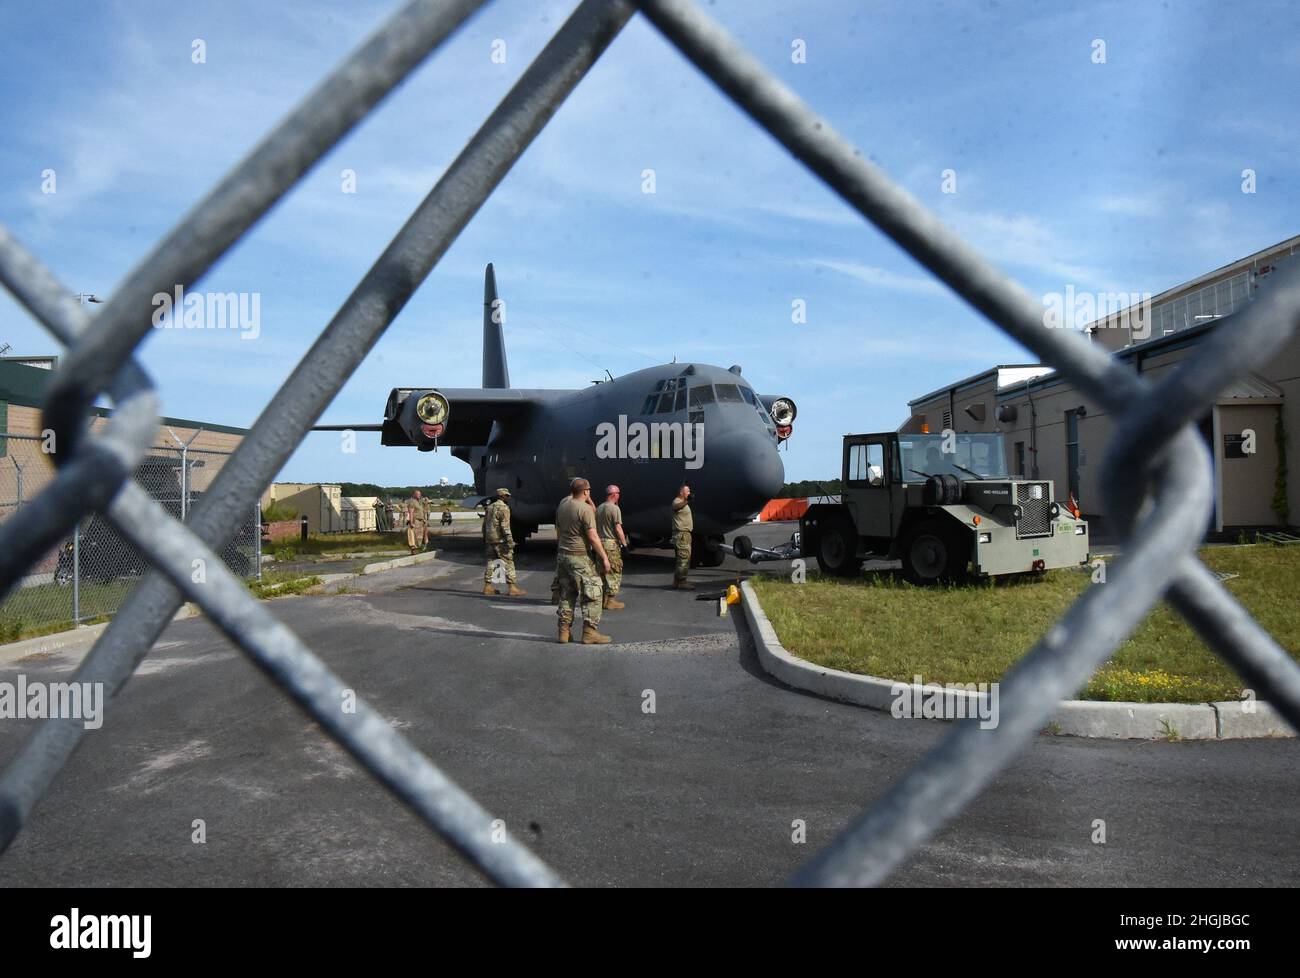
x=326 y=544
x=277 y=584
x=882 y=626
x=44 y=609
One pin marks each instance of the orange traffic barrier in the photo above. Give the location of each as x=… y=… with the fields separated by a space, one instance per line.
x=783 y=509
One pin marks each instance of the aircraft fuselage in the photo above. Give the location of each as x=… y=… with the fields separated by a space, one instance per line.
x=721 y=442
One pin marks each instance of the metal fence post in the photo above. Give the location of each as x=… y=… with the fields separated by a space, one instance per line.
x=257 y=538
x=185 y=469
x=76 y=573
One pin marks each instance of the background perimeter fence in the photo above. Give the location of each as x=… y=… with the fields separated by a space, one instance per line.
x=86 y=577
x=1156 y=474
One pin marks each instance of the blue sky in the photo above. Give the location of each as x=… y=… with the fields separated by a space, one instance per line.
x=1122 y=176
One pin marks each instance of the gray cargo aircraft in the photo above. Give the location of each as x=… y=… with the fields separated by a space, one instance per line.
x=648 y=431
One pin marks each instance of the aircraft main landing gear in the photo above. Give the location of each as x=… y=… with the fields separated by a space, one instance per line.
x=706 y=551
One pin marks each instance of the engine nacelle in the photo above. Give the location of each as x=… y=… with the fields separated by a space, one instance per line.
x=415 y=417
x=783 y=413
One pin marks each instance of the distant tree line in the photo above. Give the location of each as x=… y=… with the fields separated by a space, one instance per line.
x=798 y=490
x=457 y=490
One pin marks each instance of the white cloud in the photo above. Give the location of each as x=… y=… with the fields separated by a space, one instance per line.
x=882 y=277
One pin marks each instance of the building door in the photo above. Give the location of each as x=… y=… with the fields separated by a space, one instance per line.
x=1206 y=426
x=1072 y=453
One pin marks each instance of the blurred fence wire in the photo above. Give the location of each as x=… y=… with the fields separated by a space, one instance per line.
x=1157 y=472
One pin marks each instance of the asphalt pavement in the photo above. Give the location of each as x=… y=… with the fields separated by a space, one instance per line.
x=708 y=789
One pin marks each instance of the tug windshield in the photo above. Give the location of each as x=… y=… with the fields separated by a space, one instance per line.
x=981 y=454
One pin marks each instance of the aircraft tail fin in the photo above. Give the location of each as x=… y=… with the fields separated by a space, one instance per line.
x=495 y=372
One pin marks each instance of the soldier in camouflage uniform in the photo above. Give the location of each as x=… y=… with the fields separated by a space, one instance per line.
x=575 y=529
x=555 y=580
x=609 y=527
x=417 y=526
x=683 y=524
x=499 y=544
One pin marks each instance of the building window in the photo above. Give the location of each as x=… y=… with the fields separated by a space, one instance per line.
x=1072 y=454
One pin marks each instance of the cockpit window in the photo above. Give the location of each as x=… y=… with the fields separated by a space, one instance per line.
x=670 y=396
x=748 y=395
x=701 y=395
x=728 y=392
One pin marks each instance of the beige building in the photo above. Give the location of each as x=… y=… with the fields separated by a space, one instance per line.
x=1053 y=432
x=321 y=504
x=359 y=513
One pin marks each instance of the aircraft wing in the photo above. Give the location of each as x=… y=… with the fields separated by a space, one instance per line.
x=451 y=417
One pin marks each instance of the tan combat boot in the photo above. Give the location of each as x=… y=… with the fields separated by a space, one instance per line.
x=592 y=637
x=683 y=585
x=489 y=589
x=563 y=634
x=515 y=592
x=613 y=604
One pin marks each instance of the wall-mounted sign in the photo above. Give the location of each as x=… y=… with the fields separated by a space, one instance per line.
x=1234 y=446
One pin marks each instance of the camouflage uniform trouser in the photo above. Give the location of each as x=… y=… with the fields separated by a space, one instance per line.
x=555 y=578
x=580 y=583
x=682 y=544
x=499 y=551
x=614 y=579
x=417 y=535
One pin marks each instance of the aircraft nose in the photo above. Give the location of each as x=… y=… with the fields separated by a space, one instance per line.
x=747 y=468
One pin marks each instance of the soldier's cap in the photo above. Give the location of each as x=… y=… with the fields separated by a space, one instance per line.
x=503 y=493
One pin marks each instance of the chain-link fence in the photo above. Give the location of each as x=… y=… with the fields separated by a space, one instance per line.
x=1157 y=474
x=87 y=576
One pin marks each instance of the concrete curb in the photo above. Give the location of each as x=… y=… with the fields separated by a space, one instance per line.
x=1074 y=718
x=410 y=561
